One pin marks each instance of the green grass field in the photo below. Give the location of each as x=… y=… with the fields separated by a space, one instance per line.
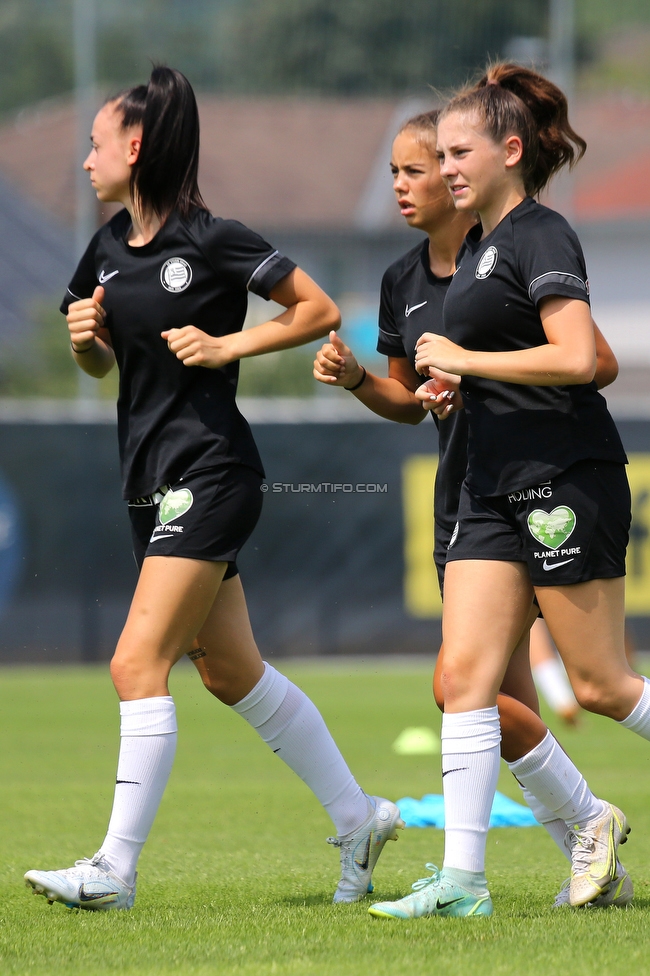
x=237 y=878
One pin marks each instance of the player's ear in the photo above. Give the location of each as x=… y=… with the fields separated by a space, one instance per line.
x=133 y=150
x=514 y=148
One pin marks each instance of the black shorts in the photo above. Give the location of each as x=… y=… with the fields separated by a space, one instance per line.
x=207 y=515
x=441 y=538
x=571 y=529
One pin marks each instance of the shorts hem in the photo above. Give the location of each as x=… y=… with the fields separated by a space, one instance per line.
x=492 y=557
x=584 y=578
x=229 y=557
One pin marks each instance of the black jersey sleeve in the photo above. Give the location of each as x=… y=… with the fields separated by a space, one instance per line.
x=549 y=256
x=84 y=280
x=241 y=255
x=389 y=342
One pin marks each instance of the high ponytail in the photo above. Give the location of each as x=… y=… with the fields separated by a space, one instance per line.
x=165 y=175
x=512 y=100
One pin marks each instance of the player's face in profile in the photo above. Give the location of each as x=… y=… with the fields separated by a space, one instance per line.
x=114 y=150
x=422 y=197
x=475 y=168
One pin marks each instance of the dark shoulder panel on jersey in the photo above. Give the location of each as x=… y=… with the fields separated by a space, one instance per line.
x=239 y=253
x=174 y=419
x=521 y=435
x=411 y=303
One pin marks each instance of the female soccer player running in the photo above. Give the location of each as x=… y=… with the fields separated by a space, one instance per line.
x=413 y=286
x=162 y=291
x=545 y=507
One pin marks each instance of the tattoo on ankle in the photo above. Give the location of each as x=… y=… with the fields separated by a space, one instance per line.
x=195 y=655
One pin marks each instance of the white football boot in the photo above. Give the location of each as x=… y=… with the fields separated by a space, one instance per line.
x=619 y=894
x=594 y=855
x=89 y=884
x=360 y=851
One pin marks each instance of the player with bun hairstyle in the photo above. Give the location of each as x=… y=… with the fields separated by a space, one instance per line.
x=162 y=292
x=545 y=506
x=412 y=296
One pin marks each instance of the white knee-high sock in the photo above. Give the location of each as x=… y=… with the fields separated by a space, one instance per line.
x=548 y=773
x=470 y=769
x=294 y=729
x=639 y=718
x=554 y=826
x=147 y=747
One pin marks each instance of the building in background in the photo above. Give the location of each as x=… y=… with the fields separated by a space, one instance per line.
x=312 y=174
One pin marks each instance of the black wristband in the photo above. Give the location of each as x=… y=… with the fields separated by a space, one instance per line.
x=351 y=389
x=80 y=352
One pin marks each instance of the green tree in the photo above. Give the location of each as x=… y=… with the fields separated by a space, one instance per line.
x=352 y=47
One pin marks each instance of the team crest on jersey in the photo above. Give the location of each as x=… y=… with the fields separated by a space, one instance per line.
x=488 y=262
x=175 y=275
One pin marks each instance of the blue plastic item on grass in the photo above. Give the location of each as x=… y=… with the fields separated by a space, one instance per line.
x=430 y=812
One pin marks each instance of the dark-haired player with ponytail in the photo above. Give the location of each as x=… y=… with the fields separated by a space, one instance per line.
x=162 y=292
x=545 y=506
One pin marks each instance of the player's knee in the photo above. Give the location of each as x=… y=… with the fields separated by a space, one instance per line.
x=123 y=668
x=597 y=699
x=216 y=684
x=131 y=673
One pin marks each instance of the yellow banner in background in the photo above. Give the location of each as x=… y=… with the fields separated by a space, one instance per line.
x=637 y=584
x=421 y=595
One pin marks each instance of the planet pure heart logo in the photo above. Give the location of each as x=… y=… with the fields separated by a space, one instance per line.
x=175 y=504
x=552 y=528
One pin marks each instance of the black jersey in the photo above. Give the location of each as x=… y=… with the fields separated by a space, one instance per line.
x=174 y=419
x=520 y=435
x=411 y=303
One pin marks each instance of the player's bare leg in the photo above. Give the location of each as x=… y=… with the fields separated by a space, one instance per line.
x=231 y=668
x=587 y=623
x=172 y=600
x=478 y=641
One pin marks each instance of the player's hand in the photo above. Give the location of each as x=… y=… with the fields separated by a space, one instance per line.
x=196 y=348
x=436 y=351
x=441 y=402
x=85 y=318
x=336 y=364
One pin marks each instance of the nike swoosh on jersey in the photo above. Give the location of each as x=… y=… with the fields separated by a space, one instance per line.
x=105 y=277
x=407 y=310
x=548 y=566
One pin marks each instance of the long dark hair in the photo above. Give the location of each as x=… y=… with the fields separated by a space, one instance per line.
x=165 y=175
x=510 y=99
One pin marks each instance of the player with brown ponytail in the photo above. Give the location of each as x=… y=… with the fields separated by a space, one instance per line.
x=545 y=506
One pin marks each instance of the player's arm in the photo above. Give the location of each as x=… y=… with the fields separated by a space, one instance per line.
x=89 y=338
x=606 y=362
x=567 y=359
x=391 y=397
x=309 y=315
